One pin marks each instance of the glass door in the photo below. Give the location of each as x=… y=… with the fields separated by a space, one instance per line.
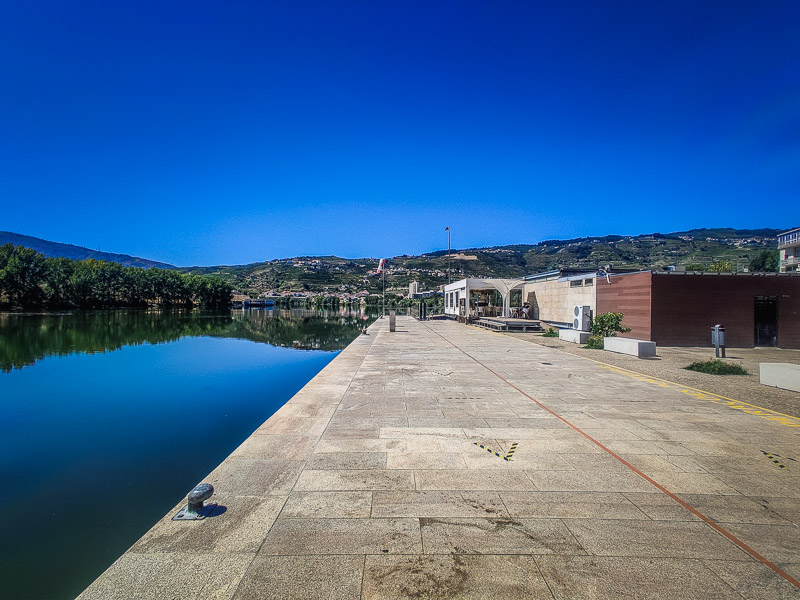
x=766 y=321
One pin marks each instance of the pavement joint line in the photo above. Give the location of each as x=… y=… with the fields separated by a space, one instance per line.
x=721 y=530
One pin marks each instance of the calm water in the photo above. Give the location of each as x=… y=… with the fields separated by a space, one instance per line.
x=102 y=417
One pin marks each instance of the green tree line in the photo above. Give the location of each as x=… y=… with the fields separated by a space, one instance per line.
x=28 y=338
x=398 y=301
x=29 y=280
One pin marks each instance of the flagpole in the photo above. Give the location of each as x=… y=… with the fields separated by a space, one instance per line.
x=448 y=255
x=383 y=276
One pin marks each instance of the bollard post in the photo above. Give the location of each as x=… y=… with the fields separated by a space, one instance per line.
x=392 y=319
x=196 y=509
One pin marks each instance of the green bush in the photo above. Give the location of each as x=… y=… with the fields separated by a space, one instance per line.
x=608 y=325
x=551 y=332
x=595 y=342
x=716 y=367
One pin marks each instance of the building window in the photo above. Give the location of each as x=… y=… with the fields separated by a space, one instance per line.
x=588 y=282
x=576 y=283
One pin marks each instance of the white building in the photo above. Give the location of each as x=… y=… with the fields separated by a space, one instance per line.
x=554 y=295
x=789 y=250
x=481 y=297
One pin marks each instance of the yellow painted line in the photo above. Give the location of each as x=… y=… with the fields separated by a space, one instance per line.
x=751 y=409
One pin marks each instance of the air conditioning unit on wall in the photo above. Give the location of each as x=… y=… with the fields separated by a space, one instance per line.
x=582 y=318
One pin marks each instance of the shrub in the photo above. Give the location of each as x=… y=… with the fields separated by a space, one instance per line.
x=697 y=267
x=608 y=325
x=716 y=367
x=551 y=332
x=722 y=266
x=595 y=342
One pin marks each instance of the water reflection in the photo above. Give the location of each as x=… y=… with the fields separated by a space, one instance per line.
x=302 y=329
x=26 y=339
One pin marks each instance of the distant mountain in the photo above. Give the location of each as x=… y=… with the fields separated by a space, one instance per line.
x=56 y=249
x=696 y=249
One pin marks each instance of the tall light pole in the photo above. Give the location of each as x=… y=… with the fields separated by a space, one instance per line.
x=447 y=229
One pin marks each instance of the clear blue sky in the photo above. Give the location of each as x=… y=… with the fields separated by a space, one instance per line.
x=233 y=132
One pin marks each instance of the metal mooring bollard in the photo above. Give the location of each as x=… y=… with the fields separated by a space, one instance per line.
x=195 y=509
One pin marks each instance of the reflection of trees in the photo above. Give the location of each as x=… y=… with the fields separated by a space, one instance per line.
x=305 y=329
x=24 y=339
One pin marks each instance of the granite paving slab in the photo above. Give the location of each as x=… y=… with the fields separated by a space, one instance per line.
x=437 y=504
x=306 y=577
x=307 y=536
x=497 y=535
x=453 y=576
x=333 y=505
x=607 y=578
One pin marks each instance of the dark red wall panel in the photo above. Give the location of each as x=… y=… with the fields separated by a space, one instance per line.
x=685 y=307
x=630 y=295
x=677 y=309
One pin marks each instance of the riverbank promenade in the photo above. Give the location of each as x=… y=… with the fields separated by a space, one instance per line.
x=444 y=461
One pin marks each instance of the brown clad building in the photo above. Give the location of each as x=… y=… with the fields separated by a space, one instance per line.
x=679 y=309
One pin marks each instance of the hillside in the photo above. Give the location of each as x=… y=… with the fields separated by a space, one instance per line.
x=56 y=249
x=696 y=249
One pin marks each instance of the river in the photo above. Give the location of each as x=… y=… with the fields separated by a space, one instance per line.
x=107 y=419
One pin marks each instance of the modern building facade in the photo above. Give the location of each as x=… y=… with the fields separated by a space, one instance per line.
x=789 y=250
x=554 y=295
x=679 y=309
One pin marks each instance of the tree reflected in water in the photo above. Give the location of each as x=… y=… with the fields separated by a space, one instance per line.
x=27 y=338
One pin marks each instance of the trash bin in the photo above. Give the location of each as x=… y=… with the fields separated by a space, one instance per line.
x=718 y=339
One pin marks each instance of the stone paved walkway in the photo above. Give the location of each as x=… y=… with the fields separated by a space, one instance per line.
x=371 y=483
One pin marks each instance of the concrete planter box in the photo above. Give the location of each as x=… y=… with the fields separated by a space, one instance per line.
x=780 y=375
x=640 y=348
x=574 y=336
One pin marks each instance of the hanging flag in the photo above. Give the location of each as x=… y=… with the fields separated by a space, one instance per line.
x=380 y=266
